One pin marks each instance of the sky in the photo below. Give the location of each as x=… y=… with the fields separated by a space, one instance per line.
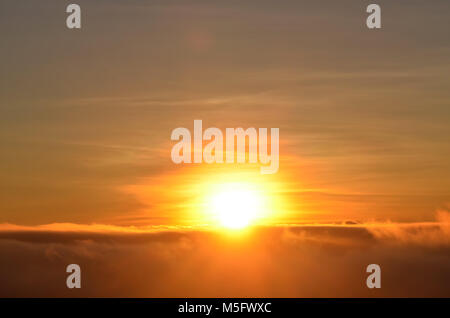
x=86 y=117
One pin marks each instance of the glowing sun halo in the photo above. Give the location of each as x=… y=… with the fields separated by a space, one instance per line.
x=236 y=207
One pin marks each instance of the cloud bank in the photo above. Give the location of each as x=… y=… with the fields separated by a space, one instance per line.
x=312 y=260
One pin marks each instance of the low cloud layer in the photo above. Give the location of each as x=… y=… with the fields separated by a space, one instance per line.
x=286 y=261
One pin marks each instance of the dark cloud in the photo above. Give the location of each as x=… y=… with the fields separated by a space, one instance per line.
x=294 y=261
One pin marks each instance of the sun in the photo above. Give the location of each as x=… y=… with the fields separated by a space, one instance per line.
x=226 y=199
x=236 y=206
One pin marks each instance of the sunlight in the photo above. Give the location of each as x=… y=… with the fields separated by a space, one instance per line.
x=236 y=207
x=215 y=197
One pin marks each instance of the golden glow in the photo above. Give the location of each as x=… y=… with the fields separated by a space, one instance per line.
x=236 y=206
x=238 y=198
x=225 y=197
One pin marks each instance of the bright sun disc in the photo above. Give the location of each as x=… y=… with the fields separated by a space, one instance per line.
x=236 y=208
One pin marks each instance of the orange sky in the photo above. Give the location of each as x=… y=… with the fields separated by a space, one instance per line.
x=86 y=118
